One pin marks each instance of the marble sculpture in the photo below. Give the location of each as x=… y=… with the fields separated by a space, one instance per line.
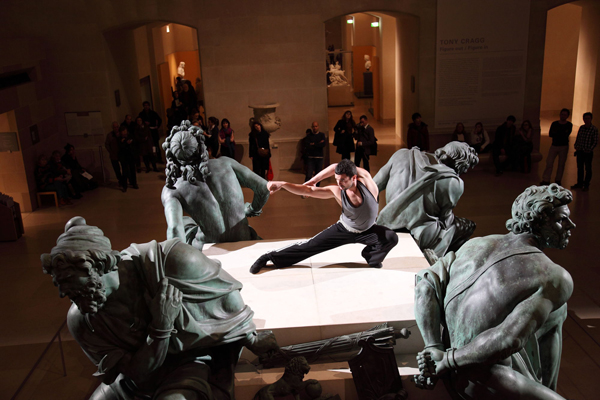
x=367 y=62
x=501 y=303
x=159 y=320
x=421 y=190
x=337 y=76
x=210 y=191
x=181 y=69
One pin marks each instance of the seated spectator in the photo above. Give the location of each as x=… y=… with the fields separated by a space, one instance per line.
x=503 y=143
x=418 y=134
x=480 y=139
x=80 y=176
x=143 y=136
x=459 y=134
x=226 y=139
x=522 y=147
x=58 y=169
x=127 y=159
x=47 y=182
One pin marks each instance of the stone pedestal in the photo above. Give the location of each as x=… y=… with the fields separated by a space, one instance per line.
x=368 y=83
x=339 y=96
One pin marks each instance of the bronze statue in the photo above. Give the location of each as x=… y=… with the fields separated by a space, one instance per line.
x=291 y=383
x=157 y=319
x=421 y=190
x=501 y=303
x=208 y=190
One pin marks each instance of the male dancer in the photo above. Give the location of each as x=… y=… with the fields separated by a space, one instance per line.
x=357 y=193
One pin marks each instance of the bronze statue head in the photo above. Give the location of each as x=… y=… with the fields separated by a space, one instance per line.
x=186 y=154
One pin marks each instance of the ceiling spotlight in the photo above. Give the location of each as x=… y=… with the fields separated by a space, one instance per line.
x=168 y=29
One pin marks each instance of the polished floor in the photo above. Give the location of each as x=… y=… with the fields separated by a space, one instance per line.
x=32 y=312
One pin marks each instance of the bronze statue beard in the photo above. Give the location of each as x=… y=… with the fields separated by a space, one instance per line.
x=91 y=298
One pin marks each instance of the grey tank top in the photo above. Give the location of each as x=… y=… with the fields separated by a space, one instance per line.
x=361 y=218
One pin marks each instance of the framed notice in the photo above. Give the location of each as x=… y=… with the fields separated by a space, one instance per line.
x=481 y=55
x=35 y=134
x=84 y=123
x=9 y=141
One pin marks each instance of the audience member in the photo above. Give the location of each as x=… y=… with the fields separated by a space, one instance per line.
x=480 y=139
x=58 y=169
x=154 y=122
x=365 y=140
x=559 y=132
x=112 y=146
x=81 y=178
x=188 y=98
x=522 y=147
x=587 y=139
x=259 y=149
x=314 y=142
x=502 y=143
x=212 y=140
x=344 y=134
x=459 y=134
x=127 y=159
x=47 y=182
x=418 y=134
x=227 y=139
x=129 y=123
x=143 y=137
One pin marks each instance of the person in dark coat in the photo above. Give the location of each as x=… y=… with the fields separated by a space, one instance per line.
x=344 y=133
x=258 y=139
x=154 y=122
x=365 y=140
x=503 y=143
x=69 y=161
x=212 y=136
x=418 y=134
x=314 y=142
x=127 y=160
x=48 y=182
x=143 y=137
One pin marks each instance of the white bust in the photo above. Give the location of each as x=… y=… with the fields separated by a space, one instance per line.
x=367 y=62
x=181 y=69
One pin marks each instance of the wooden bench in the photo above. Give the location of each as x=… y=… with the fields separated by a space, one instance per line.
x=39 y=199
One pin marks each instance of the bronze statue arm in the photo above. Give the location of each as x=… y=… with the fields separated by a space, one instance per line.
x=428 y=315
x=258 y=185
x=174 y=217
x=383 y=176
x=448 y=192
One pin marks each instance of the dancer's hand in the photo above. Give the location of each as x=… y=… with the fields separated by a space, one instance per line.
x=274 y=186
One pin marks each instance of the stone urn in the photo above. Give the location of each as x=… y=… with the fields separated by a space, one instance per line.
x=265 y=114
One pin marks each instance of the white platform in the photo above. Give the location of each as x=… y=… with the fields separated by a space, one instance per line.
x=331 y=294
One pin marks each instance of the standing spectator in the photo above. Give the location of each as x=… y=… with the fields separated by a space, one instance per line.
x=127 y=160
x=259 y=149
x=344 y=133
x=587 y=139
x=480 y=139
x=69 y=161
x=178 y=110
x=314 y=142
x=188 y=98
x=365 y=140
x=226 y=139
x=418 y=134
x=559 y=132
x=459 y=134
x=502 y=143
x=143 y=137
x=47 y=182
x=212 y=141
x=154 y=121
x=129 y=123
x=112 y=146
x=522 y=147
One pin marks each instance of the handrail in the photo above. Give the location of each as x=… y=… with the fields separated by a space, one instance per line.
x=62 y=356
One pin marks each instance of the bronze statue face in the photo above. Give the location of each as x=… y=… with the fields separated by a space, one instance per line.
x=556 y=230
x=84 y=288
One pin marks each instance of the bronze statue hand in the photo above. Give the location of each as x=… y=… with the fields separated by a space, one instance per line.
x=166 y=305
x=264 y=343
x=249 y=211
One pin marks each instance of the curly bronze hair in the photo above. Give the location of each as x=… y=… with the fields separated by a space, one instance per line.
x=297 y=366
x=460 y=156
x=532 y=207
x=186 y=154
x=60 y=265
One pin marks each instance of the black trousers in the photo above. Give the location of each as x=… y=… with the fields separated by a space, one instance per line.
x=314 y=165
x=378 y=239
x=361 y=155
x=584 y=163
x=117 y=168
x=128 y=172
